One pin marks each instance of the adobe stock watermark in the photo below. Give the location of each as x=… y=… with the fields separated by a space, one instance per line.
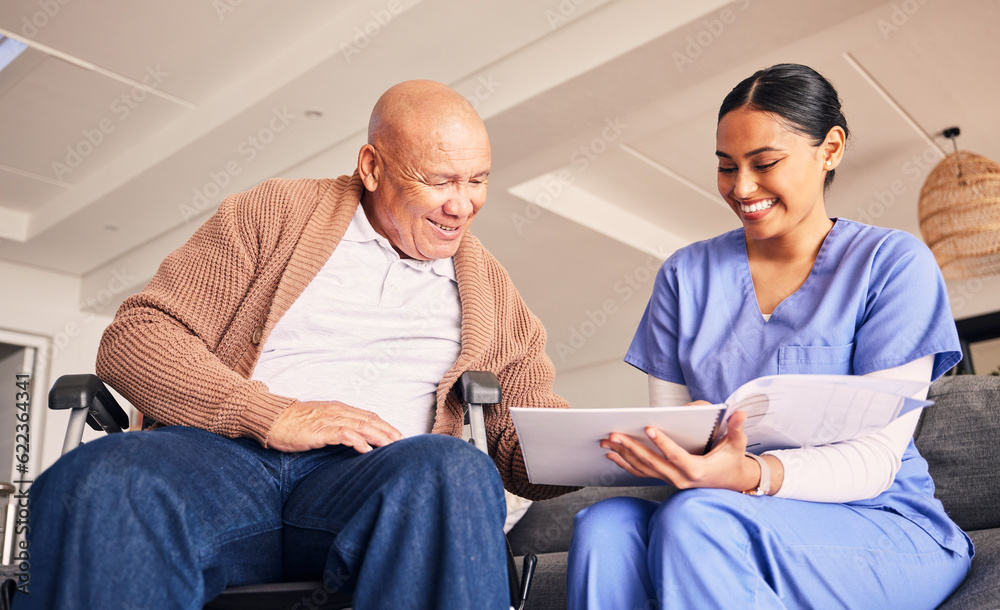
x=444 y=304
x=580 y=160
x=120 y=281
x=113 y=467
x=365 y=33
x=560 y=523
x=595 y=319
x=712 y=30
x=561 y=14
x=962 y=293
x=38 y=20
x=914 y=169
x=485 y=88
x=93 y=137
x=900 y=15
x=224 y=7
x=248 y=149
x=333 y=582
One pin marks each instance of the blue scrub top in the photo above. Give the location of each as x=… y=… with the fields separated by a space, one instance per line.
x=874 y=300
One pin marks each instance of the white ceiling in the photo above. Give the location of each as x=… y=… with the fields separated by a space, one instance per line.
x=125 y=123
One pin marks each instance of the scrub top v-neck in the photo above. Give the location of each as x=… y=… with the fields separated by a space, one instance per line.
x=873 y=300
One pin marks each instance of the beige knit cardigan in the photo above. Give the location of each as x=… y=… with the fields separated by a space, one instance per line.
x=183 y=350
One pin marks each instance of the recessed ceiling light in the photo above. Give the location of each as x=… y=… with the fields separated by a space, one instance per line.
x=9 y=50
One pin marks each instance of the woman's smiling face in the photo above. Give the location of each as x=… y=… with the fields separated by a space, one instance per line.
x=770 y=175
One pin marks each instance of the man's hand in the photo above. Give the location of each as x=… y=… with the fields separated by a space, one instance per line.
x=311 y=425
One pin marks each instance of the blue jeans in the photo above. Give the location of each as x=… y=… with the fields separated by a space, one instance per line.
x=711 y=548
x=169 y=518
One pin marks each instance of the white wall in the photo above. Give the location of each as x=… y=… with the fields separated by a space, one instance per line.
x=603 y=385
x=46 y=304
x=975 y=297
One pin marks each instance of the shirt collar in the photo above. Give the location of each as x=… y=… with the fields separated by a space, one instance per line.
x=361 y=230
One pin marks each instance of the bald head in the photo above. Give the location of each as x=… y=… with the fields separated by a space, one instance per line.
x=424 y=168
x=418 y=109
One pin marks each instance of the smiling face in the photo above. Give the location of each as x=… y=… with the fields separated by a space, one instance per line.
x=425 y=202
x=425 y=169
x=772 y=176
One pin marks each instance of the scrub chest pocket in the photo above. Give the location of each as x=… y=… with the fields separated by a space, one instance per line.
x=825 y=359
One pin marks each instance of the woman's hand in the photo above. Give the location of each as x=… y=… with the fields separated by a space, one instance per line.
x=724 y=467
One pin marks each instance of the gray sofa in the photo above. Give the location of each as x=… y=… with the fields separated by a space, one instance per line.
x=959 y=437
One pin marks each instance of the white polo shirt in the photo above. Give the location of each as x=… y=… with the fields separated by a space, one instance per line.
x=371 y=330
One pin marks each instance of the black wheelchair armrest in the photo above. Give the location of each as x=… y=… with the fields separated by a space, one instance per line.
x=475 y=389
x=88 y=392
x=479 y=388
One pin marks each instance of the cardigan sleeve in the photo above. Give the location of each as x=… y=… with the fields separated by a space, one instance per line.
x=526 y=375
x=170 y=349
x=526 y=382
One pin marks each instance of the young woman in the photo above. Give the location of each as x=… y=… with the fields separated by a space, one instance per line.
x=847 y=525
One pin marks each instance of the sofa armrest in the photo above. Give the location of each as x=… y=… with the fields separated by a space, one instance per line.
x=958 y=438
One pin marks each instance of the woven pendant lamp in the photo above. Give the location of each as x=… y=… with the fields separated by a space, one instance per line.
x=959 y=214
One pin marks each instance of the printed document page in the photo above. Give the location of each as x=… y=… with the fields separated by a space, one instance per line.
x=561 y=446
x=787 y=411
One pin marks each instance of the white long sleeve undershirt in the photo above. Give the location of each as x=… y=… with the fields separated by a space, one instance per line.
x=839 y=472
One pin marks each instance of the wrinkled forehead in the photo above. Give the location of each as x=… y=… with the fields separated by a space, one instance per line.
x=454 y=141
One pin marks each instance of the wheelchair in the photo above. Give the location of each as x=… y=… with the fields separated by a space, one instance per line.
x=90 y=403
x=8 y=566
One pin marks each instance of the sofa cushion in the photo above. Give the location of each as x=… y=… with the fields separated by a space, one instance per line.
x=958 y=438
x=548 y=588
x=547 y=527
x=981 y=588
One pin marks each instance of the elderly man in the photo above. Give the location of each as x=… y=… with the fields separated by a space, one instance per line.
x=299 y=349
